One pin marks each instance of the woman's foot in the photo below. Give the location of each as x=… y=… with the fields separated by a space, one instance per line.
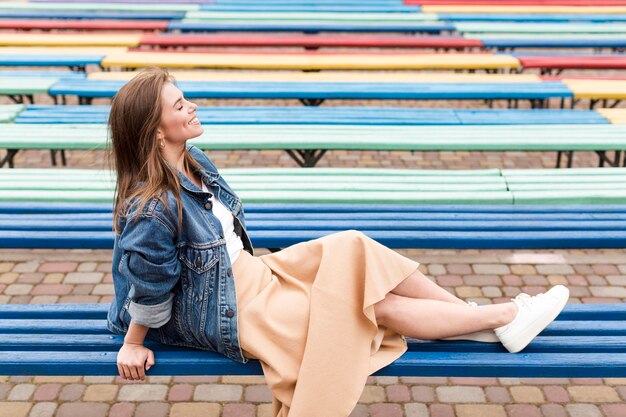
x=533 y=315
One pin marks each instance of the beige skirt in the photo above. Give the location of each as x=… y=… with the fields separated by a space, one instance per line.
x=307 y=314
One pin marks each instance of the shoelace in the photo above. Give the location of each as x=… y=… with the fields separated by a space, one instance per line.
x=527 y=300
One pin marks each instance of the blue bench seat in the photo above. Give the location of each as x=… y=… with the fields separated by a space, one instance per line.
x=586 y=340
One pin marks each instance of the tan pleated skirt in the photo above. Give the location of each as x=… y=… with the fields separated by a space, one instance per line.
x=307 y=314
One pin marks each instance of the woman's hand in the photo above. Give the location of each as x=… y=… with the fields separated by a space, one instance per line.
x=133 y=360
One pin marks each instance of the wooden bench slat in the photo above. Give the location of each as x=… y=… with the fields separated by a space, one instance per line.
x=412 y=363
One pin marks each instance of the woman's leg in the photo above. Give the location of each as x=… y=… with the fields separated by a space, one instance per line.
x=418 y=285
x=436 y=319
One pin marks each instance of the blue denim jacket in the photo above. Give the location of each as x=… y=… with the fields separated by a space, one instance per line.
x=179 y=283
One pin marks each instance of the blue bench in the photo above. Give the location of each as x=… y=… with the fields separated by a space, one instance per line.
x=311 y=27
x=314 y=93
x=586 y=340
x=88 y=225
x=96 y=114
x=73 y=62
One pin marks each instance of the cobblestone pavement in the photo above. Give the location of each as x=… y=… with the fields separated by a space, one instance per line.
x=46 y=276
x=68 y=276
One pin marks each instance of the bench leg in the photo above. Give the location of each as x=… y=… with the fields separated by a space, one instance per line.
x=611 y=162
x=306 y=158
x=311 y=102
x=570 y=158
x=8 y=158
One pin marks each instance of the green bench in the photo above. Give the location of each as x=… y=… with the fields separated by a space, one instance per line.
x=306 y=144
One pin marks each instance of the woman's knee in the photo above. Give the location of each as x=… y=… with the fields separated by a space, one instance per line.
x=386 y=308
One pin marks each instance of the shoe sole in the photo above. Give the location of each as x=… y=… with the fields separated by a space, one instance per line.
x=533 y=329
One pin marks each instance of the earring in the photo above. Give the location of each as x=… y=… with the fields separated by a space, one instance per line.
x=162 y=143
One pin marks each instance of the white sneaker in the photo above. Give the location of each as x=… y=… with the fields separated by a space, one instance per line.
x=485 y=336
x=533 y=315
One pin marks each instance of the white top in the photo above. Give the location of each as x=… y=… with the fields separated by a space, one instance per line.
x=233 y=242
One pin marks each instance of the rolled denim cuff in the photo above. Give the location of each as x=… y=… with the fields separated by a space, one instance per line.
x=152 y=316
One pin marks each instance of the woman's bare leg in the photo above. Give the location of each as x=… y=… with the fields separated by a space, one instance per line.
x=436 y=319
x=418 y=285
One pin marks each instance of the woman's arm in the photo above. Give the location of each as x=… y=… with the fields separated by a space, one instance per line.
x=134 y=358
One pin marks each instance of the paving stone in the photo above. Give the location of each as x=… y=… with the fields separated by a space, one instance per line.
x=58 y=267
x=556 y=394
x=99 y=379
x=30 y=278
x=468 y=292
x=479 y=410
x=482 y=280
x=545 y=381
x=83 y=278
x=423 y=394
x=509 y=381
x=122 y=410
x=199 y=380
x=622 y=268
x=526 y=394
x=387 y=380
x=265 y=410
x=611 y=291
x=554 y=269
x=100 y=392
x=491 y=292
x=616 y=280
x=57 y=379
x=360 y=410
x=460 y=394
x=46 y=392
x=14 y=409
x=31 y=266
x=398 y=393
x=195 y=410
x=72 y=392
x=4 y=390
x=240 y=379
x=53 y=278
x=557 y=280
x=596 y=280
x=522 y=410
x=459 y=269
x=415 y=410
x=611 y=381
x=499 y=395
x=21 y=392
x=6 y=266
x=535 y=280
x=605 y=269
x=450 y=280
x=512 y=280
x=620 y=390
x=143 y=392
x=523 y=269
x=156 y=409
x=441 y=410
x=103 y=289
x=429 y=380
x=583 y=410
x=239 y=410
x=9 y=277
x=18 y=289
x=436 y=269
x=44 y=299
x=43 y=409
x=258 y=394
x=82 y=409
x=215 y=392
x=372 y=394
x=473 y=381
x=87 y=267
x=553 y=410
x=180 y=392
x=593 y=394
x=491 y=269
x=52 y=289
x=386 y=410
x=613 y=410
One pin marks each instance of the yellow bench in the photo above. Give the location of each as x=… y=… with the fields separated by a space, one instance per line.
x=597 y=90
x=330 y=76
x=460 y=61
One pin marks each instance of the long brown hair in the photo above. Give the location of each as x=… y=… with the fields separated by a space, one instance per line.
x=142 y=172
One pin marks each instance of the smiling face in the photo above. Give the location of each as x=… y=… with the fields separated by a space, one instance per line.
x=178 y=118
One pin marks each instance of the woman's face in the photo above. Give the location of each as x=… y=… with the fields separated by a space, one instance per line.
x=178 y=117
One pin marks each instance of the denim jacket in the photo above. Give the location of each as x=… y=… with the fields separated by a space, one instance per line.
x=179 y=283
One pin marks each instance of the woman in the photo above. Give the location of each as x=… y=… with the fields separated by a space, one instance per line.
x=320 y=315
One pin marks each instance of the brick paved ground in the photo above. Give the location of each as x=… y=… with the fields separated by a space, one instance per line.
x=47 y=276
